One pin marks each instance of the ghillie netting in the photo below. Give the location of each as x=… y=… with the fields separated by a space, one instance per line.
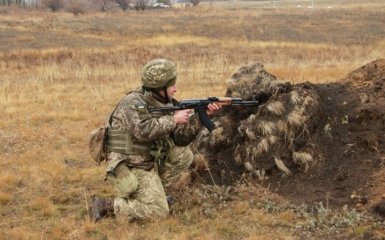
x=275 y=135
x=308 y=142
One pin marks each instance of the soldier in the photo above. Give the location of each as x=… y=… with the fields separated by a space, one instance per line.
x=147 y=152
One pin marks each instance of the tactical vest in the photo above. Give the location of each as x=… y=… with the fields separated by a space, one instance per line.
x=120 y=141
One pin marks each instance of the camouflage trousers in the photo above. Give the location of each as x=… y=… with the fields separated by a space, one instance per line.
x=140 y=194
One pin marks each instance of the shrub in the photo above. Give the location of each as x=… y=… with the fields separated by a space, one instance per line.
x=76 y=10
x=76 y=7
x=123 y=4
x=140 y=5
x=54 y=5
x=195 y=2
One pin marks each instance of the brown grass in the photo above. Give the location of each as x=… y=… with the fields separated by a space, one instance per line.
x=61 y=75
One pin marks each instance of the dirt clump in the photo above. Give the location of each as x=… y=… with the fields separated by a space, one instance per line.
x=308 y=142
x=380 y=208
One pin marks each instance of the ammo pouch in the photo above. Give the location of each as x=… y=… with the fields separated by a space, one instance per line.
x=160 y=149
x=120 y=141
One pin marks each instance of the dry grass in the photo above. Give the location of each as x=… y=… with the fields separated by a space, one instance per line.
x=296 y=118
x=61 y=75
x=266 y=128
x=281 y=166
x=276 y=108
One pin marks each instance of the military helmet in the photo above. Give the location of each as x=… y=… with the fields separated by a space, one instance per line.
x=159 y=73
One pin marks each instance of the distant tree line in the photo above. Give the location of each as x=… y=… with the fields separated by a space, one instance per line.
x=20 y=2
x=80 y=6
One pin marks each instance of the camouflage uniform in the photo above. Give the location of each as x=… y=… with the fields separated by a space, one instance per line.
x=139 y=178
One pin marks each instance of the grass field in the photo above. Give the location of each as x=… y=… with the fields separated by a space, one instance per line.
x=61 y=75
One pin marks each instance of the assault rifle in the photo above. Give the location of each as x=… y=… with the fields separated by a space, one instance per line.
x=200 y=106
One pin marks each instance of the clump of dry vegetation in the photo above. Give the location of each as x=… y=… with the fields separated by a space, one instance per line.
x=278 y=131
x=61 y=75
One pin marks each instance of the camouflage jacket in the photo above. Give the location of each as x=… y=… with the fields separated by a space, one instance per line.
x=145 y=128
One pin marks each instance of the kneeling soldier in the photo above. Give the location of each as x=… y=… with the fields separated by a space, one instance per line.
x=147 y=152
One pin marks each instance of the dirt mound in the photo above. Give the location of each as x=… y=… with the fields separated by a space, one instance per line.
x=307 y=142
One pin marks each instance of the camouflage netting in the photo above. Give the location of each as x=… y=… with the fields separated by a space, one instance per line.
x=328 y=137
x=275 y=135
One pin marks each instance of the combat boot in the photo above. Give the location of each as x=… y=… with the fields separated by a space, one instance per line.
x=99 y=208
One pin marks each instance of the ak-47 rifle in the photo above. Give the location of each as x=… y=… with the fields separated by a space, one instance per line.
x=200 y=106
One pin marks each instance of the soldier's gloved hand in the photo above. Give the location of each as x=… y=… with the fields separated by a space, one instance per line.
x=182 y=116
x=212 y=108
